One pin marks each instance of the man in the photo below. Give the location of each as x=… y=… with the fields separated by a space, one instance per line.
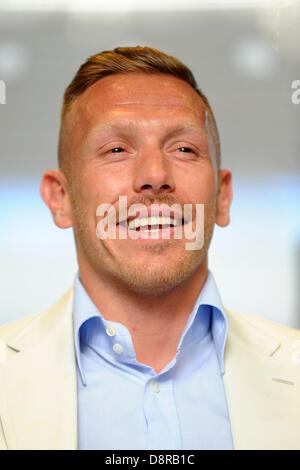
x=141 y=353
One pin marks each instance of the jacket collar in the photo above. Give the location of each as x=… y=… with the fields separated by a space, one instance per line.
x=38 y=402
x=262 y=386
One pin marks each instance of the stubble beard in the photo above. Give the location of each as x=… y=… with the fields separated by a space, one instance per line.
x=125 y=272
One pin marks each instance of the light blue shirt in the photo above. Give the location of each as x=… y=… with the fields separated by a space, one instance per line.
x=123 y=404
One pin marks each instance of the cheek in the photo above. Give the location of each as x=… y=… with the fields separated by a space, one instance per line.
x=94 y=188
x=89 y=186
x=106 y=182
x=200 y=186
x=85 y=198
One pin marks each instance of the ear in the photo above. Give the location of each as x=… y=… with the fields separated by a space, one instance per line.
x=224 y=198
x=54 y=191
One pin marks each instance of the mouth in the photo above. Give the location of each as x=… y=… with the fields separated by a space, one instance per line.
x=152 y=224
x=152 y=228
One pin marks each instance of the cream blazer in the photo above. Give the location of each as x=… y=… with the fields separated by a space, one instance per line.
x=38 y=393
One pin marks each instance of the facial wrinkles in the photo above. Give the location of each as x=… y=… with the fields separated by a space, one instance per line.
x=180 y=101
x=150 y=104
x=126 y=97
x=123 y=120
x=139 y=90
x=175 y=101
x=148 y=92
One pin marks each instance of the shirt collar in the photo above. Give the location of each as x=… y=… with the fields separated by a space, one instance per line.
x=208 y=312
x=84 y=309
x=210 y=295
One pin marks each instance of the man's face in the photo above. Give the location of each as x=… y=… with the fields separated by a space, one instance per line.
x=144 y=137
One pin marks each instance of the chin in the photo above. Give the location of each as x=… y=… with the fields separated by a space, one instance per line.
x=158 y=278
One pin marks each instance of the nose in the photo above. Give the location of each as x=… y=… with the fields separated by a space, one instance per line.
x=153 y=173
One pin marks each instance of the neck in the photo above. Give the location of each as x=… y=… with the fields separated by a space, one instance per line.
x=155 y=321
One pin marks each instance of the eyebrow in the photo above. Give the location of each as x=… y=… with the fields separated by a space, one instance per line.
x=122 y=126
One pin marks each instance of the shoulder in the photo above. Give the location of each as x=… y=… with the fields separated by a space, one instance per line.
x=261 y=325
x=12 y=330
x=264 y=336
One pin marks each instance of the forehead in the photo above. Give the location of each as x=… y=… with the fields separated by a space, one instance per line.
x=137 y=94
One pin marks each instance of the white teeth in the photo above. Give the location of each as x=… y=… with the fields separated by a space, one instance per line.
x=154 y=220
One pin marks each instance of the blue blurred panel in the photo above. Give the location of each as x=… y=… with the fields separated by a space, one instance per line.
x=37 y=259
x=254 y=259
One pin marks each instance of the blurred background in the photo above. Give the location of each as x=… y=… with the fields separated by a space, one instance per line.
x=245 y=56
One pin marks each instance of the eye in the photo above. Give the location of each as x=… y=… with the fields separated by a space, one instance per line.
x=117 y=150
x=185 y=149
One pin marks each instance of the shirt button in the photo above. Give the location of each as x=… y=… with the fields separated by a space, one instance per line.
x=111 y=330
x=154 y=386
x=117 y=348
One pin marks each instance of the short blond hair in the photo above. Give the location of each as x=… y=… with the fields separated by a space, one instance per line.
x=126 y=60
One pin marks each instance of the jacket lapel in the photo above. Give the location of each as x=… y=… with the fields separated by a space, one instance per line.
x=39 y=398
x=262 y=390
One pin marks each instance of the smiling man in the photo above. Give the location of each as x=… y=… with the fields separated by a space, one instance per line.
x=141 y=353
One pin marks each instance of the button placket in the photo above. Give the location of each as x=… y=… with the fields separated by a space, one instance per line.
x=118 y=349
x=111 y=330
x=155 y=387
